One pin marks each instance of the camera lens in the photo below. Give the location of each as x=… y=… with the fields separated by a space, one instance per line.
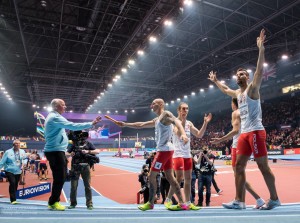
x=205 y=151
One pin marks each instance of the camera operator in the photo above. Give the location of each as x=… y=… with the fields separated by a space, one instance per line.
x=143 y=179
x=205 y=178
x=84 y=156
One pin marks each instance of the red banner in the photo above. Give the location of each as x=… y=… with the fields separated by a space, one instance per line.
x=292 y=151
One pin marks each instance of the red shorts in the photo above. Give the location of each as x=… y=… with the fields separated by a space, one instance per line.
x=252 y=142
x=162 y=160
x=233 y=157
x=181 y=163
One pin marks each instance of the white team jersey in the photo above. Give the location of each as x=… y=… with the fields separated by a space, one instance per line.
x=163 y=136
x=235 y=140
x=181 y=149
x=250 y=113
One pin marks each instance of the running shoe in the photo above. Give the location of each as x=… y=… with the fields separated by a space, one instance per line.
x=178 y=207
x=270 y=205
x=259 y=203
x=234 y=205
x=194 y=207
x=168 y=203
x=145 y=207
x=56 y=207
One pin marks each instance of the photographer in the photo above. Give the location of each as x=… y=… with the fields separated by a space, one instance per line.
x=205 y=178
x=143 y=179
x=84 y=156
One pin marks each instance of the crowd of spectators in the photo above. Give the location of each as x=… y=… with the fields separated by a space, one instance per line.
x=284 y=138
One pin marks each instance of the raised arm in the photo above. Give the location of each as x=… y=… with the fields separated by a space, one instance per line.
x=199 y=133
x=258 y=75
x=236 y=124
x=137 y=125
x=224 y=88
x=61 y=122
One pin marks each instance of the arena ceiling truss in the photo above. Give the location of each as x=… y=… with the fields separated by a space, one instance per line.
x=74 y=49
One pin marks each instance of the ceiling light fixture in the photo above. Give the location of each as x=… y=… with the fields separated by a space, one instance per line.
x=140 y=52
x=152 y=39
x=168 y=23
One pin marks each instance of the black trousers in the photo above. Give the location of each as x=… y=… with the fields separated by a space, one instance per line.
x=215 y=183
x=146 y=195
x=84 y=171
x=13 y=180
x=58 y=165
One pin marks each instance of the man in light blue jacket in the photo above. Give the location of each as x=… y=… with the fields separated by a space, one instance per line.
x=56 y=145
x=13 y=160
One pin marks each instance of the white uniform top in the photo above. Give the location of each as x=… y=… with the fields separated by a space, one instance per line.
x=250 y=113
x=181 y=149
x=235 y=140
x=163 y=136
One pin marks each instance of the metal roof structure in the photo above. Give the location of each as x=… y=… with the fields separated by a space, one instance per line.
x=74 y=49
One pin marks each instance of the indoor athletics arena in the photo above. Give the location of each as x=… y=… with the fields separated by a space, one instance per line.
x=149 y=111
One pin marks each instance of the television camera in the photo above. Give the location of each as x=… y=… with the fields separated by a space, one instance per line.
x=79 y=140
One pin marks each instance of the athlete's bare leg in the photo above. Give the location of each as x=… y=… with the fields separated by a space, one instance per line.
x=240 y=176
x=249 y=188
x=174 y=184
x=187 y=184
x=179 y=178
x=268 y=175
x=153 y=186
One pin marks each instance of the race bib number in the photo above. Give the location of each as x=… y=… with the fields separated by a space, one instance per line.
x=157 y=165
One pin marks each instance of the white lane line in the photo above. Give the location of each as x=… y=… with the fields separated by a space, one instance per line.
x=63 y=192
